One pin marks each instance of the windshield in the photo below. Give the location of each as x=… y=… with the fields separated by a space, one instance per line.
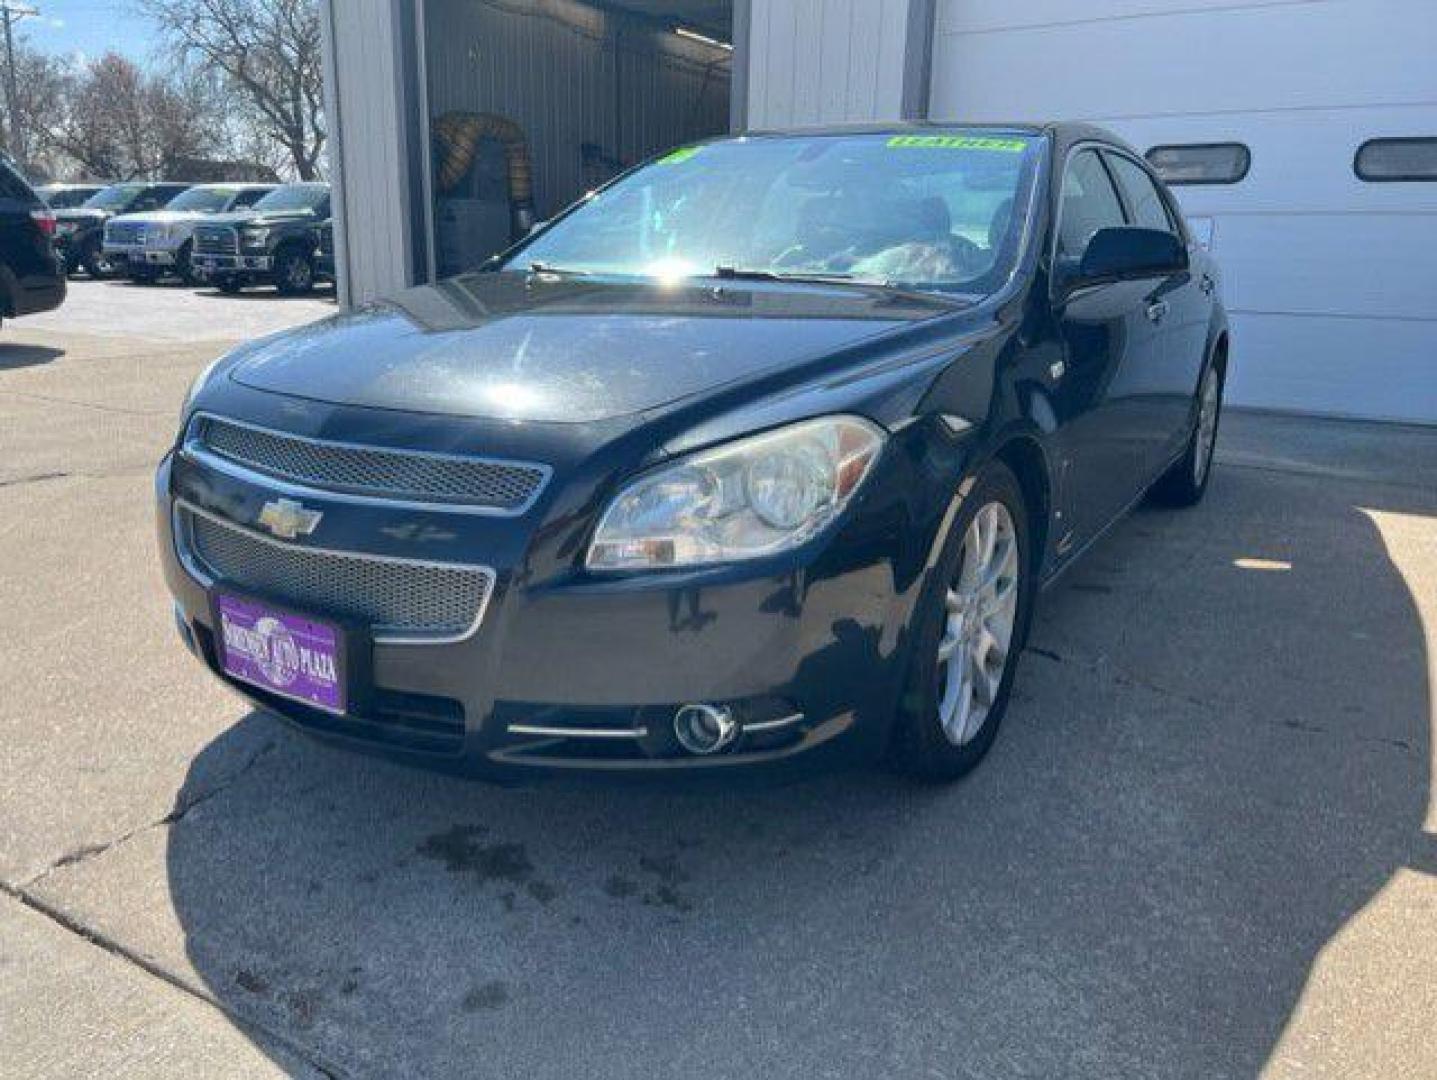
x=294 y=197
x=64 y=198
x=932 y=209
x=115 y=197
x=206 y=200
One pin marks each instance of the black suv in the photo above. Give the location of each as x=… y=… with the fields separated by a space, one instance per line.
x=80 y=232
x=32 y=277
x=275 y=243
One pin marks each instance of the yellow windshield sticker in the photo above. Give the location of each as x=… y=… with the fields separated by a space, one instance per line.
x=957 y=142
x=679 y=156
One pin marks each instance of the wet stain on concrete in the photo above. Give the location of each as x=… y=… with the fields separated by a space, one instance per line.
x=462 y=850
x=668 y=875
x=486 y=998
x=248 y=980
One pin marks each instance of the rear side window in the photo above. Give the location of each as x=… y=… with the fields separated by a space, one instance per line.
x=1144 y=200
x=1201 y=163
x=250 y=196
x=1089 y=203
x=1381 y=161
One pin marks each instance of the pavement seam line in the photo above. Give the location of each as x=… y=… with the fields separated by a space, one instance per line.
x=86 y=852
x=109 y=945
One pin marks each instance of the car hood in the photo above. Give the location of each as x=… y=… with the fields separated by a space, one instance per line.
x=249 y=217
x=80 y=214
x=162 y=217
x=506 y=347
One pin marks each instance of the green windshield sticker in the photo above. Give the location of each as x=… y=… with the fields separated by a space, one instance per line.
x=957 y=142
x=679 y=156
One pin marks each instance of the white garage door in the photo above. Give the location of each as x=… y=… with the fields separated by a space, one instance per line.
x=1330 y=280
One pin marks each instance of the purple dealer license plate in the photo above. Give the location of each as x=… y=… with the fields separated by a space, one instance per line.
x=280 y=652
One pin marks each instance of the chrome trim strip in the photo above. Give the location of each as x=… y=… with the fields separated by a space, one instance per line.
x=771 y=725
x=194 y=449
x=546 y=732
x=184 y=549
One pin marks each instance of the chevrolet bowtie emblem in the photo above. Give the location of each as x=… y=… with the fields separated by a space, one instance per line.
x=288 y=519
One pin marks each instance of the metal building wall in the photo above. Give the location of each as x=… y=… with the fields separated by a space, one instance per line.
x=827 y=61
x=371 y=164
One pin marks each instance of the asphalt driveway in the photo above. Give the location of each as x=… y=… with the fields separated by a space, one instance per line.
x=1203 y=847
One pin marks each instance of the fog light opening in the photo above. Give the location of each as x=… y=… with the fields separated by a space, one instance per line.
x=704 y=729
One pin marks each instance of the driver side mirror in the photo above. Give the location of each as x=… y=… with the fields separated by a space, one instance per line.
x=1130 y=252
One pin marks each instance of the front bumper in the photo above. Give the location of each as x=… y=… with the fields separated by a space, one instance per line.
x=567 y=670
x=140 y=255
x=217 y=265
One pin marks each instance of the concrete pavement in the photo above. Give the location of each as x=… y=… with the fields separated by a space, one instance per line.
x=1202 y=847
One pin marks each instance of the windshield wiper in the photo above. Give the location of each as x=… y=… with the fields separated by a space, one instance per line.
x=741 y=273
x=557 y=271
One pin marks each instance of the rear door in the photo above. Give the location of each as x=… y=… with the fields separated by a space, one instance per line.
x=1181 y=304
x=1105 y=332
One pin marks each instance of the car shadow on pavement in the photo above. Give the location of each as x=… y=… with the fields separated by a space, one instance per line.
x=1218 y=755
x=21 y=356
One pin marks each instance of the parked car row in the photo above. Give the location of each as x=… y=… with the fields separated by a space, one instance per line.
x=229 y=235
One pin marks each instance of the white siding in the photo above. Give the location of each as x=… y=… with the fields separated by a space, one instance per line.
x=367 y=159
x=826 y=61
x=1328 y=280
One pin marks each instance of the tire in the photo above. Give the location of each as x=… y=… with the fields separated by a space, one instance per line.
x=293 y=272
x=924 y=745
x=229 y=285
x=94 y=261
x=143 y=277
x=183 y=267
x=1186 y=482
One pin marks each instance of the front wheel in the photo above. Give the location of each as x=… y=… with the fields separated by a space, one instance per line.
x=1186 y=482
x=293 y=273
x=229 y=284
x=94 y=262
x=971 y=629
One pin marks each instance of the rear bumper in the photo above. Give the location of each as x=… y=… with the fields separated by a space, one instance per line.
x=35 y=295
x=584 y=673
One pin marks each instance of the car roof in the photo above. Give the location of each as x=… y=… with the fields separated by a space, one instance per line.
x=1062 y=131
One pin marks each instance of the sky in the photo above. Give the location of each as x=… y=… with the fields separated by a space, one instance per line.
x=90 y=28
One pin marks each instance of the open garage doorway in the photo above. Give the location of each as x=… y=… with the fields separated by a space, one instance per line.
x=531 y=103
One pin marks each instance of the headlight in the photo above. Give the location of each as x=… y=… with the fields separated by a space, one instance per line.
x=749 y=498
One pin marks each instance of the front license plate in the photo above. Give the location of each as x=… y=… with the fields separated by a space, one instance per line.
x=287 y=654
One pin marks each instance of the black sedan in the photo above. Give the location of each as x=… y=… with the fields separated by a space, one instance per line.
x=763 y=452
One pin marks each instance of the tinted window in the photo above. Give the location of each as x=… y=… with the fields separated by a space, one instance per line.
x=206 y=200
x=1387 y=160
x=1144 y=200
x=115 y=197
x=930 y=210
x=1201 y=163
x=62 y=198
x=295 y=197
x=1089 y=203
x=249 y=197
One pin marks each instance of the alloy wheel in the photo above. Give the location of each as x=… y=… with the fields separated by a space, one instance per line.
x=981 y=609
x=1206 y=427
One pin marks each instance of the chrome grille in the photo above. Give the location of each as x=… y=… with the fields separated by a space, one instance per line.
x=501 y=486
x=216 y=240
x=124 y=232
x=398 y=598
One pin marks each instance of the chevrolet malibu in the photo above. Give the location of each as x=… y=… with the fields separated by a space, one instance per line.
x=763 y=452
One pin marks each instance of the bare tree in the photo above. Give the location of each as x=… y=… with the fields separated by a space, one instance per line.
x=116 y=121
x=270 y=52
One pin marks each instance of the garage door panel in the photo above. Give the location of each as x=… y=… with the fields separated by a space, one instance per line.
x=1373 y=368
x=1382 y=265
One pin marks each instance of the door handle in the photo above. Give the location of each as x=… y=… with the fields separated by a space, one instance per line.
x=1156 y=310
